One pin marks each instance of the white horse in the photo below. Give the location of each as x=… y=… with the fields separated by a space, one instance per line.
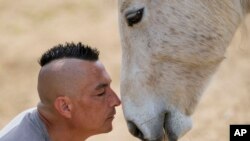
x=170 y=50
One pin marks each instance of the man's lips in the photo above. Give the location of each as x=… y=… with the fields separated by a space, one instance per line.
x=112 y=115
x=111 y=118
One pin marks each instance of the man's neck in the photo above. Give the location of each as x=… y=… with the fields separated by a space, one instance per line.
x=57 y=127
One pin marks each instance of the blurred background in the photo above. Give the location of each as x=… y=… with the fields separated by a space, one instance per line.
x=28 y=28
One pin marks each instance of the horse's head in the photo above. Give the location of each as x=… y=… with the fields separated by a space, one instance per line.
x=170 y=50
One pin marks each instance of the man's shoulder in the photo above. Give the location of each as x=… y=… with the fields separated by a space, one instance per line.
x=20 y=128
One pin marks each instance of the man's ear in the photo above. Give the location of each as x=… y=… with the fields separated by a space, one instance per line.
x=64 y=106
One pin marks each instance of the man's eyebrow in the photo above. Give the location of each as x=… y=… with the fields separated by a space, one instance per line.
x=100 y=86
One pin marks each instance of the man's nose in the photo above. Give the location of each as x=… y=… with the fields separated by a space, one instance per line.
x=114 y=99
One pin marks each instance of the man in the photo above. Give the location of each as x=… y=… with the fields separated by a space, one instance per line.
x=76 y=100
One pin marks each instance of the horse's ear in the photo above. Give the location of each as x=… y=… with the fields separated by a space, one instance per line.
x=63 y=106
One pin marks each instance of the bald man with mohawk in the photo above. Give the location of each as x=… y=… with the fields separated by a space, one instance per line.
x=76 y=100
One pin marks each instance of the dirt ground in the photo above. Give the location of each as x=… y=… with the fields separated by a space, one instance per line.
x=30 y=27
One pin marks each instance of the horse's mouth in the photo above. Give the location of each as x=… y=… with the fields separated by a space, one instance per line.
x=166 y=134
x=169 y=126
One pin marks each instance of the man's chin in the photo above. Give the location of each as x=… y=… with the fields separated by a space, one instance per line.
x=109 y=129
x=105 y=129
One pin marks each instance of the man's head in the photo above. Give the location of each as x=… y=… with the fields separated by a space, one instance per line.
x=75 y=86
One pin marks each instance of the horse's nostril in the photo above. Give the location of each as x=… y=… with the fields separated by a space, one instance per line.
x=134 y=130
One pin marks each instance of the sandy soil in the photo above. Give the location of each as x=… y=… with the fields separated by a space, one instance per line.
x=29 y=28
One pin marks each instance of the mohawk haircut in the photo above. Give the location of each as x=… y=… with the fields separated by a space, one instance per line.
x=69 y=50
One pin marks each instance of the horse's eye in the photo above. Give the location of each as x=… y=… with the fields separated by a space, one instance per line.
x=134 y=17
